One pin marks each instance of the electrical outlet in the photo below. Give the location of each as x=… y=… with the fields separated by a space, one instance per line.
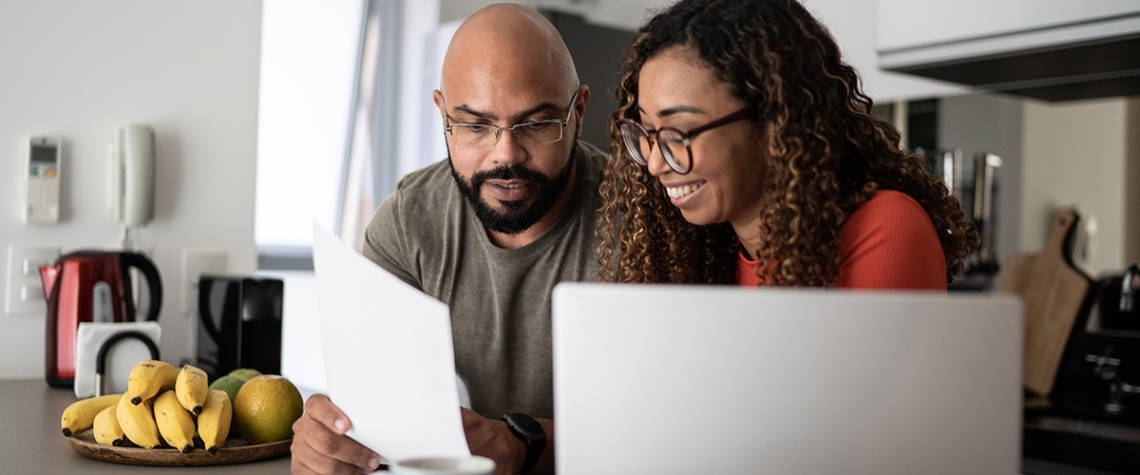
x=25 y=291
x=196 y=262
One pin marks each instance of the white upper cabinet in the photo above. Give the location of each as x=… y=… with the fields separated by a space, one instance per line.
x=1047 y=49
x=904 y=24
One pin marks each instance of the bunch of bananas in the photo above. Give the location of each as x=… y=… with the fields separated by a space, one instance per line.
x=161 y=404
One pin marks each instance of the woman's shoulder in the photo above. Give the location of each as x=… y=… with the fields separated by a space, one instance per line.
x=890 y=242
x=887 y=213
x=888 y=204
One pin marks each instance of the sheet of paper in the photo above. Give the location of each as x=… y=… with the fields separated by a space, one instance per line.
x=389 y=357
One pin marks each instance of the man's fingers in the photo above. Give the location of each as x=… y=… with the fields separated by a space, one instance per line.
x=322 y=441
x=306 y=461
x=469 y=417
x=324 y=411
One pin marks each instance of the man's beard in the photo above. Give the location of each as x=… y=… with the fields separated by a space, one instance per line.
x=514 y=217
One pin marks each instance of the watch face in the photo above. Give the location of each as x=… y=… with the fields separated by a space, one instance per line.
x=526 y=424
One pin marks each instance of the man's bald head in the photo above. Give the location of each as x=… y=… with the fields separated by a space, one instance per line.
x=507 y=46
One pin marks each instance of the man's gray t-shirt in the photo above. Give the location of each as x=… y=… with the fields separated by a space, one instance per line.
x=428 y=235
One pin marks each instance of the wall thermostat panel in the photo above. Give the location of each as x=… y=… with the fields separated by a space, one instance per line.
x=41 y=180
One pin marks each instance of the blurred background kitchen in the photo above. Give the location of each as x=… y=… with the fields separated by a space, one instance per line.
x=269 y=115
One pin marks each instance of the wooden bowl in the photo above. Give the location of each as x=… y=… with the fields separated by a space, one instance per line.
x=236 y=450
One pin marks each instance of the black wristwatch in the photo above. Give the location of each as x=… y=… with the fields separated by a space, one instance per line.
x=531 y=433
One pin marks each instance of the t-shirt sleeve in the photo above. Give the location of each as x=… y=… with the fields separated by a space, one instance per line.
x=387 y=244
x=890 y=243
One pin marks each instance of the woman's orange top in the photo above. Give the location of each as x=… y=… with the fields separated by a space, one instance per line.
x=888 y=243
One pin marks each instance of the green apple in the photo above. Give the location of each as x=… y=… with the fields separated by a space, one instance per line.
x=229 y=384
x=245 y=373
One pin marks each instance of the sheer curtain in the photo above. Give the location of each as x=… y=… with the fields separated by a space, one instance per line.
x=370 y=144
x=395 y=126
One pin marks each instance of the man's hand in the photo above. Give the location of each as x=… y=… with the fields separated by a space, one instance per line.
x=492 y=439
x=320 y=446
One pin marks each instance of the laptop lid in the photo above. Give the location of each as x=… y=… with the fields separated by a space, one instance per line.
x=700 y=379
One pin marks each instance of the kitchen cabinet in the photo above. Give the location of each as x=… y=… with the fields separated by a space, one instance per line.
x=907 y=24
x=1052 y=50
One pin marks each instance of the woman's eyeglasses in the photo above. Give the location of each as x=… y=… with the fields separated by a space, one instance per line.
x=674 y=142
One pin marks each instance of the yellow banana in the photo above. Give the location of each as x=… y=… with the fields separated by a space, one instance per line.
x=174 y=422
x=214 y=421
x=107 y=430
x=191 y=386
x=80 y=415
x=137 y=422
x=148 y=379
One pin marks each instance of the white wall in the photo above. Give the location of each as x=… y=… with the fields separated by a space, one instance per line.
x=78 y=69
x=853 y=24
x=302 y=346
x=1074 y=154
x=1132 y=185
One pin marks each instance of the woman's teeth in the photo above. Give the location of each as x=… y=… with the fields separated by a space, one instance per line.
x=679 y=191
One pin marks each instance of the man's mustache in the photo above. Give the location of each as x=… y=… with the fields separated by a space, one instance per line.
x=507 y=172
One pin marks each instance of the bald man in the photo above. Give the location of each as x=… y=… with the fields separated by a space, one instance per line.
x=490 y=231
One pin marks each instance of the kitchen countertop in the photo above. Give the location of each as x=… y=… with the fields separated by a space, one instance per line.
x=31 y=442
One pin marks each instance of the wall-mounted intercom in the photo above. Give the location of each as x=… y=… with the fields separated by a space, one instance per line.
x=132 y=174
x=41 y=181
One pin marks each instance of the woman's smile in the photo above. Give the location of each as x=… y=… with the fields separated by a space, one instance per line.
x=680 y=193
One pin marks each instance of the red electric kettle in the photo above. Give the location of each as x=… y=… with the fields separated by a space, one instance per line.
x=90 y=286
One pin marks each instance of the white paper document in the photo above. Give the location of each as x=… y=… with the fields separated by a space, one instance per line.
x=389 y=357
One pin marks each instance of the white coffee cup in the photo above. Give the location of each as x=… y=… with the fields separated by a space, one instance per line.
x=473 y=465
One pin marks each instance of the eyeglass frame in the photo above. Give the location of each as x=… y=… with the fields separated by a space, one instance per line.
x=746 y=113
x=514 y=128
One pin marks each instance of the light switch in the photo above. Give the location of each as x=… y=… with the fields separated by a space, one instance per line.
x=24 y=292
x=30 y=266
x=31 y=293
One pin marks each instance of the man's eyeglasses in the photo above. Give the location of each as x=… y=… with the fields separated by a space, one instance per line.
x=539 y=132
x=674 y=142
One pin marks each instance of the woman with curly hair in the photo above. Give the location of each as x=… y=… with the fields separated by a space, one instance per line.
x=745 y=152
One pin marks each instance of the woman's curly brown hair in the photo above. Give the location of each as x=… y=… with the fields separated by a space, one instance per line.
x=830 y=154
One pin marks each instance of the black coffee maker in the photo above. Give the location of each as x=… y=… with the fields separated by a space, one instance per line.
x=239 y=324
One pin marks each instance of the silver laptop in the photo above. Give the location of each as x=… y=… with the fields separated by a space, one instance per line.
x=720 y=380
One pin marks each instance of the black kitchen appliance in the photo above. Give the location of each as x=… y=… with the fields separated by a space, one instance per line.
x=239 y=324
x=1100 y=370
x=1092 y=417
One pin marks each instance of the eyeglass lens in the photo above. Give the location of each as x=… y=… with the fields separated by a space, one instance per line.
x=531 y=133
x=673 y=147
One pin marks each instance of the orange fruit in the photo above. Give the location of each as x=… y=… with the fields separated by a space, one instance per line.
x=266 y=408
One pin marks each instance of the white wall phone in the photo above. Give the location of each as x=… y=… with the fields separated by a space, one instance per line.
x=132 y=174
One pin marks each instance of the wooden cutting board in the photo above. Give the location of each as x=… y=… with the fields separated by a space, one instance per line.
x=1054 y=292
